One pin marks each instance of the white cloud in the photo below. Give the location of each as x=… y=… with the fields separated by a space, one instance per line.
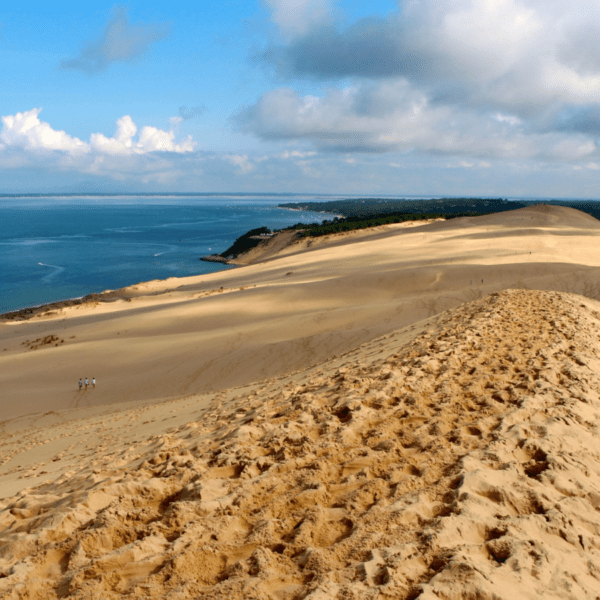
x=573 y=147
x=471 y=78
x=241 y=161
x=25 y=141
x=510 y=119
x=296 y=154
x=25 y=130
x=121 y=143
x=297 y=17
x=396 y=116
x=152 y=139
x=520 y=59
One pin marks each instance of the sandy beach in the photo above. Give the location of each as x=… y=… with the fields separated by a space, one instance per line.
x=410 y=411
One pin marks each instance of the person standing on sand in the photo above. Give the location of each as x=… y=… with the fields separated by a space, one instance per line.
x=80 y=384
x=86 y=383
x=93 y=382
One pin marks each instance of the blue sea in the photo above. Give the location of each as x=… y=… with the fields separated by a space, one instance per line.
x=58 y=247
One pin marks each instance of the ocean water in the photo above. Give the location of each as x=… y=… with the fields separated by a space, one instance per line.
x=53 y=247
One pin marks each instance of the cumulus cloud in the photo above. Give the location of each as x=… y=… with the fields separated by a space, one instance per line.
x=514 y=52
x=357 y=119
x=25 y=140
x=119 y=41
x=240 y=161
x=426 y=40
x=483 y=78
x=513 y=49
x=25 y=130
x=150 y=139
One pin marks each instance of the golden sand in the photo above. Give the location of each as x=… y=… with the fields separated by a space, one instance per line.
x=372 y=420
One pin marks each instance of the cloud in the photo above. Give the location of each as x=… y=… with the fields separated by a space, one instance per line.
x=186 y=114
x=510 y=119
x=120 y=41
x=25 y=130
x=297 y=17
x=26 y=141
x=241 y=161
x=150 y=139
x=470 y=78
x=514 y=55
x=582 y=119
x=286 y=154
x=191 y=113
x=394 y=116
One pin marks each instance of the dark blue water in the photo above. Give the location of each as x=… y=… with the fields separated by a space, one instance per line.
x=53 y=248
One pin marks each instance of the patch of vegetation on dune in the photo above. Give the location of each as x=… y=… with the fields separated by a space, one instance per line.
x=245 y=242
x=340 y=224
x=369 y=207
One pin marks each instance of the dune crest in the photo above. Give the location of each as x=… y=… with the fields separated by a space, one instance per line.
x=463 y=464
x=300 y=307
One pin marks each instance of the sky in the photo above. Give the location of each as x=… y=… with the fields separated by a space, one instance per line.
x=493 y=98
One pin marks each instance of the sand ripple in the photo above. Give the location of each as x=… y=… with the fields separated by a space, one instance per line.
x=462 y=465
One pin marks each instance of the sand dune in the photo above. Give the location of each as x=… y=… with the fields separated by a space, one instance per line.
x=212 y=332
x=370 y=421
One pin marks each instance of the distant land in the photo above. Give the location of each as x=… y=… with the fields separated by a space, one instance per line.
x=365 y=207
x=363 y=213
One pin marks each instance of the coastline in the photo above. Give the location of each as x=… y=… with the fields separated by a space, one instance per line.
x=29 y=312
x=265 y=250
x=216 y=258
x=106 y=231
x=48 y=308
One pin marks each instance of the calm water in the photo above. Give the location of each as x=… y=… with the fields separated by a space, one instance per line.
x=52 y=248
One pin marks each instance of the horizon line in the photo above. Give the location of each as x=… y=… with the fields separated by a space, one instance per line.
x=291 y=194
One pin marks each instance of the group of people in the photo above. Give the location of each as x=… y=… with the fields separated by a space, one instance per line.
x=87 y=382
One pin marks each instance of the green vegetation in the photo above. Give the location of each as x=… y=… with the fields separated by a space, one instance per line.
x=367 y=207
x=371 y=212
x=245 y=242
x=340 y=224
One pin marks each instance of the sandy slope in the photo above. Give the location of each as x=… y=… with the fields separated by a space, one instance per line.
x=185 y=336
x=376 y=445
x=463 y=464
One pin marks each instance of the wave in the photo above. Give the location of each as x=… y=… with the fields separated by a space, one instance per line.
x=30 y=242
x=169 y=249
x=54 y=273
x=123 y=229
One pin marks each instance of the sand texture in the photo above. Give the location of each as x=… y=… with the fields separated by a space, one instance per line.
x=453 y=455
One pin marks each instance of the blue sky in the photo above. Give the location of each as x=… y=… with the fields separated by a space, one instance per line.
x=473 y=97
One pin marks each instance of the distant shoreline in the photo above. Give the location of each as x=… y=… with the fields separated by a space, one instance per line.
x=29 y=312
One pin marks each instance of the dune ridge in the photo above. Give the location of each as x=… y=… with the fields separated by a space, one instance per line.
x=179 y=337
x=460 y=463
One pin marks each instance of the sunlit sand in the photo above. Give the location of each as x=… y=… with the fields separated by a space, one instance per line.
x=409 y=411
